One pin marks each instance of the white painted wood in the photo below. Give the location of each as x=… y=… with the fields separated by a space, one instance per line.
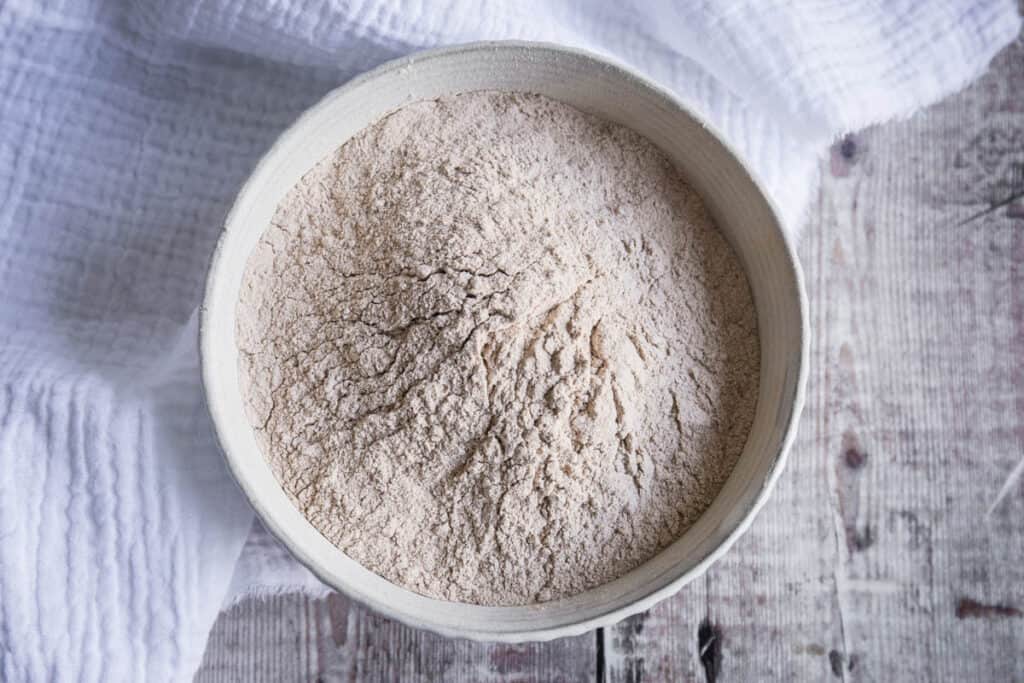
x=877 y=558
x=266 y=640
x=880 y=556
x=295 y=638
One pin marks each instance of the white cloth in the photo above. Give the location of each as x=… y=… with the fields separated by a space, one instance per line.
x=125 y=130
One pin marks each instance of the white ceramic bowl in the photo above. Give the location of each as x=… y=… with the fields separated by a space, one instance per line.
x=744 y=214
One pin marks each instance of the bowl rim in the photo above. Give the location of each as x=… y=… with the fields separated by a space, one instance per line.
x=603 y=618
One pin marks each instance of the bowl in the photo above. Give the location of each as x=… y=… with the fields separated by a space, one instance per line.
x=744 y=213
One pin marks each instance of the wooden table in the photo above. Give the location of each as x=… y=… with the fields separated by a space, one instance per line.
x=893 y=546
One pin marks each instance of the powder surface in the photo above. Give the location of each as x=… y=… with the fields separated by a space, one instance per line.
x=496 y=350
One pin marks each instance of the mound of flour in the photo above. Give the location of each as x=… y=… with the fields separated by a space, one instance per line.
x=496 y=351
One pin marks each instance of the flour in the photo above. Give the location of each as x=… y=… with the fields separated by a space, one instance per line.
x=496 y=351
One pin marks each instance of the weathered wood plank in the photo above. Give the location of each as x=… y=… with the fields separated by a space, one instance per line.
x=881 y=555
x=363 y=646
x=296 y=638
x=272 y=639
x=943 y=361
x=886 y=552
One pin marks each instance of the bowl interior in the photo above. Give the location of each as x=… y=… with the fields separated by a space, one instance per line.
x=743 y=215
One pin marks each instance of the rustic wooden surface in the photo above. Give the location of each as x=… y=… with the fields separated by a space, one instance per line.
x=893 y=547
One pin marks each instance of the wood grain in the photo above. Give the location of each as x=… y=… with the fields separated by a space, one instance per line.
x=296 y=638
x=886 y=552
x=878 y=557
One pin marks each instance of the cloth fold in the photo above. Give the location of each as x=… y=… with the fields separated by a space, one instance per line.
x=125 y=131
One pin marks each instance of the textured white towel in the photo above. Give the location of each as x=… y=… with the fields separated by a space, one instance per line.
x=126 y=128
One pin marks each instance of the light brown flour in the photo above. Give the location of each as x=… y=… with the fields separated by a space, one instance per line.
x=496 y=351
